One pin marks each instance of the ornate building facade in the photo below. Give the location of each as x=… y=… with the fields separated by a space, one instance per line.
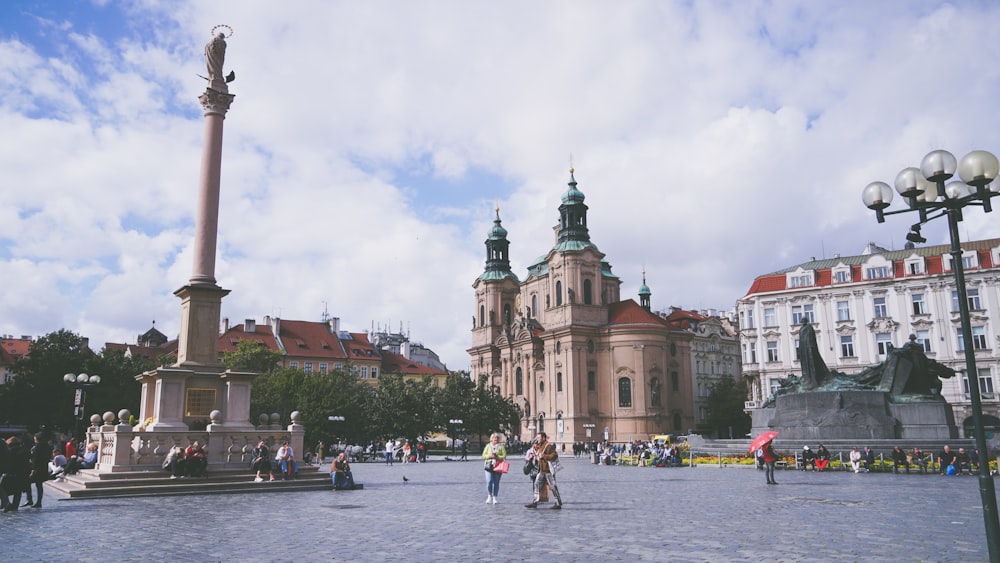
x=861 y=306
x=582 y=363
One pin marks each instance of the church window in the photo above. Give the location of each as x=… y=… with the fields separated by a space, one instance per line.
x=675 y=382
x=559 y=385
x=559 y=298
x=482 y=315
x=624 y=392
x=534 y=305
x=518 y=382
x=591 y=381
x=588 y=293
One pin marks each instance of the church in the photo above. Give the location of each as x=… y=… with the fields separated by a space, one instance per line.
x=583 y=364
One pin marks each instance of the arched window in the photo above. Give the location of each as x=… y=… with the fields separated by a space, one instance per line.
x=588 y=293
x=482 y=315
x=534 y=305
x=559 y=381
x=541 y=423
x=558 y=293
x=675 y=384
x=624 y=392
x=518 y=382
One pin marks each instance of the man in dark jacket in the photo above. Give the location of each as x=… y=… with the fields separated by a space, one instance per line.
x=41 y=453
x=16 y=476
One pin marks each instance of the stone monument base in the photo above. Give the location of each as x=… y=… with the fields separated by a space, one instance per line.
x=854 y=414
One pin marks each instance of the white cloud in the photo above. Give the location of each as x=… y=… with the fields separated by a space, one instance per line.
x=714 y=141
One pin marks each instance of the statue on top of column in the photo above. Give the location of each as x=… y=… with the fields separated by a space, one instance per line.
x=215 y=56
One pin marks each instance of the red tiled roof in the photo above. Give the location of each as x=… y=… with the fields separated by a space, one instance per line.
x=358 y=347
x=13 y=349
x=261 y=334
x=395 y=363
x=313 y=339
x=681 y=319
x=933 y=259
x=629 y=312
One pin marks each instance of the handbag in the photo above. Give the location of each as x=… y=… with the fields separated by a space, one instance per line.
x=555 y=466
x=501 y=467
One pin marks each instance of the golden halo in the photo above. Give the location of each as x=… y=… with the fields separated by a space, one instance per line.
x=225 y=26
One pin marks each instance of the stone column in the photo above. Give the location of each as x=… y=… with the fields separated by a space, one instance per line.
x=216 y=104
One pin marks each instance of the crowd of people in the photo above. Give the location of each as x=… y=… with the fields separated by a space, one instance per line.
x=26 y=463
x=863 y=460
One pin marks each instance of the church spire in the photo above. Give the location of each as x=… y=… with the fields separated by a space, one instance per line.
x=644 y=293
x=573 y=214
x=497 y=249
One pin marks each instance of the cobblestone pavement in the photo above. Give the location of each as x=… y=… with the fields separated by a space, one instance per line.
x=610 y=513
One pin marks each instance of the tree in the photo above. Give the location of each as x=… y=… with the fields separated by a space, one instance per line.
x=252 y=357
x=38 y=396
x=725 y=404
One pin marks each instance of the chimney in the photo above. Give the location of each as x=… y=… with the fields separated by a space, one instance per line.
x=334 y=325
x=225 y=324
x=249 y=326
x=276 y=327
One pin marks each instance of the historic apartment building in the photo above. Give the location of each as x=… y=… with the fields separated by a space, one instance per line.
x=861 y=305
x=581 y=362
x=715 y=353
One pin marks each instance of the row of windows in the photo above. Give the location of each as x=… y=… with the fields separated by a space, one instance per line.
x=714 y=368
x=324 y=368
x=913 y=268
x=879 y=308
x=624 y=399
x=883 y=342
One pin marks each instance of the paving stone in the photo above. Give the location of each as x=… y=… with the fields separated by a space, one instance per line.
x=610 y=513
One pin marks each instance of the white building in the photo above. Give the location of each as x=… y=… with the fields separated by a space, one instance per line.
x=862 y=305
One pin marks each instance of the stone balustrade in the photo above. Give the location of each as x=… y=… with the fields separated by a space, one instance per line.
x=122 y=448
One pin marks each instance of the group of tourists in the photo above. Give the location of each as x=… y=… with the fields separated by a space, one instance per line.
x=541 y=463
x=284 y=461
x=27 y=463
x=186 y=462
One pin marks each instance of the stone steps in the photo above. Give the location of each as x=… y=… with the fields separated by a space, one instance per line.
x=88 y=484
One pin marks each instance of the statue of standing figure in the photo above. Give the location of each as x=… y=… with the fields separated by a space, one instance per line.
x=215 y=56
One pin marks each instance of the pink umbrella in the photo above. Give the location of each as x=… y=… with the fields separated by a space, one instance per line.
x=761 y=439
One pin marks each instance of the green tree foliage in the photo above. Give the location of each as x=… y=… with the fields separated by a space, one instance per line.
x=725 y=406
x=395 y=408
x=251 y=356
x=38 y=397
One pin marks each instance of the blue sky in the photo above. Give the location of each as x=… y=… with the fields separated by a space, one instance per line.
x=370 y=142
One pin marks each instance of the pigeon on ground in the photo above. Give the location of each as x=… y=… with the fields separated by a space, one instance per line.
x=405 y=479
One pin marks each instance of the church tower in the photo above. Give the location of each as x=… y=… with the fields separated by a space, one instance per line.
x=644 y=293
x=497 y=302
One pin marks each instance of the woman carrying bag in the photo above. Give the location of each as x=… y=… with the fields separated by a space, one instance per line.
x=495 y=464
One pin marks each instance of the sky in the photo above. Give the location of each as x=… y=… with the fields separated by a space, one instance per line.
x=370 y=143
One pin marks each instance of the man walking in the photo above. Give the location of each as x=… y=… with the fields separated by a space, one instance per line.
x=546 y=456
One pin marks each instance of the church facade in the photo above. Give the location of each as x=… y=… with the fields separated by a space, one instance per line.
x=582 y=363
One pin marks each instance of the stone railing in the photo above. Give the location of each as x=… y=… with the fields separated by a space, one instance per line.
x=121 y=448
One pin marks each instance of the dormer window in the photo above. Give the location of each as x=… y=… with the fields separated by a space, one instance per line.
x=877 y=273
x=800 y=280
x=842 y=275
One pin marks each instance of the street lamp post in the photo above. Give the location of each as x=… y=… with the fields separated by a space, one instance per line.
x=333 y=421
x=455 y=424
x=927 y=194
x=80 y=383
